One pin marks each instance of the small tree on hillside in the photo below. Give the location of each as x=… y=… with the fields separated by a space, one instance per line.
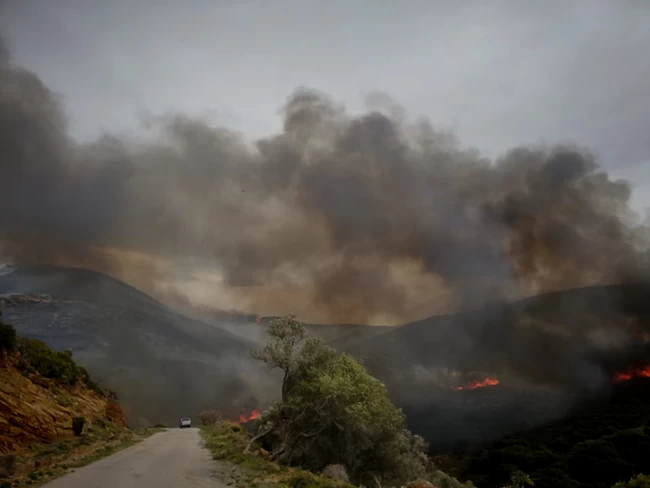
x=7 y=337
x=333 y=412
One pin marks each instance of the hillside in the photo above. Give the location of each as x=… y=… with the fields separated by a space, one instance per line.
x=163 y=365
x=598 y=443
x=36 y=409
x=547 y=352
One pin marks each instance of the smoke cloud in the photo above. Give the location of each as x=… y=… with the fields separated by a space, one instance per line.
x=368 y=218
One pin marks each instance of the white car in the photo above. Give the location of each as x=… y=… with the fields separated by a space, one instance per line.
x=185 y=422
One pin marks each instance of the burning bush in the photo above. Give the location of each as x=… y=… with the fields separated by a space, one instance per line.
x=333 y=412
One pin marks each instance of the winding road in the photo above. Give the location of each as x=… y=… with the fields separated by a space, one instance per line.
x=170 y=459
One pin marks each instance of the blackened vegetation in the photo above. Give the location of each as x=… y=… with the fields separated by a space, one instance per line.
x=598 y=444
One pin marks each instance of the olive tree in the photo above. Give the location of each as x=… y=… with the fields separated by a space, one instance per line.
x=333 y=412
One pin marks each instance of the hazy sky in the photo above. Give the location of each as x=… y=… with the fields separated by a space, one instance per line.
x=500 y=73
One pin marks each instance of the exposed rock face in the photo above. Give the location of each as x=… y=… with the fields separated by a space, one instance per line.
x=35 y=409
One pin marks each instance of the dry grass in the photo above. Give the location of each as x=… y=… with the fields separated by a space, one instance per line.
x=227 y=441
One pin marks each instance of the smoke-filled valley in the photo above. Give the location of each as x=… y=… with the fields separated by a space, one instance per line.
x=522 y=280
x=364 y=218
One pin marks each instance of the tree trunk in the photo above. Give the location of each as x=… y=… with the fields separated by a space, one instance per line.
x=257 y=438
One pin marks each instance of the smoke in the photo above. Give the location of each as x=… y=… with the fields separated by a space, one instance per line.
x=368 y=218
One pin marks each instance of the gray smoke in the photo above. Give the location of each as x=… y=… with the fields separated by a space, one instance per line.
x=340 y=217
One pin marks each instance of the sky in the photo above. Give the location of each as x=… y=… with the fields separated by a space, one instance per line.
x=499 y=73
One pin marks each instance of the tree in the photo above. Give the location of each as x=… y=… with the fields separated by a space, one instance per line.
x=333 y=412
x=7 y=337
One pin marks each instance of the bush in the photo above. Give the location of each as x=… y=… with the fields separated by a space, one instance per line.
x=51 y=364
x=7 y=465
x=209 y=417
x=7 y=337
x=336 y=472
x=639 y=481
x=78 y=425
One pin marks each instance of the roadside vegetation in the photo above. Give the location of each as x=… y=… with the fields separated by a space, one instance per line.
x=44 y=462
x=331 y=413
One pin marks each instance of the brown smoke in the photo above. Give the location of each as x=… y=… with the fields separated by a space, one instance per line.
x=339 y=217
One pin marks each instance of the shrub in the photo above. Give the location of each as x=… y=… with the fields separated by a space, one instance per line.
x=78 y=425
x=209 y=417
x=639 y=481
x=7 y=337
x=7 y=465
x=336 y=472
x=51 y=364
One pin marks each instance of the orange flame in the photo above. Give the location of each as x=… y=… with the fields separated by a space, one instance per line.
x=473 y=385
x=247 y=418
x=638 y=372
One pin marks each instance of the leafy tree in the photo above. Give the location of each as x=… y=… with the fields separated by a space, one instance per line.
x=333 y=412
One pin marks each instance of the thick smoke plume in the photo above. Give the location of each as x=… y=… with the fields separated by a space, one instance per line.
x=370 y=218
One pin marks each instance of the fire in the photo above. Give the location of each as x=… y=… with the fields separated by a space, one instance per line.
x=633 y=372
x=247 y=418
x=472 y=385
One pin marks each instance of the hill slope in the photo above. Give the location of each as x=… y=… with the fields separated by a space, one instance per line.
x=42 y=391
x=164 y=365
x=547 y=352
x=599 y=443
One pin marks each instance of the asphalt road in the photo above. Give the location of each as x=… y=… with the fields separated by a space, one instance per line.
x=170 y=459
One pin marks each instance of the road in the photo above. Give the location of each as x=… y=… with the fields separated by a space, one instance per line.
x=170 y=459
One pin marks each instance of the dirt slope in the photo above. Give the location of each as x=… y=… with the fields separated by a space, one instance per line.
x=34 y=409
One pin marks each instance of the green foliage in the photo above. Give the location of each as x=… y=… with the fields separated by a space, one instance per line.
x=333 y=412
x=7 y=337
x=78 y=425
x=51 y=364
x=639 y=481
x=519 y=479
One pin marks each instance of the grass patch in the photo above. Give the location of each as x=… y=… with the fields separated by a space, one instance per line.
x=227 y=441
x=45 y=462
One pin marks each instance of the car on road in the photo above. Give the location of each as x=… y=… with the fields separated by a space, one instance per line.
x=185 y=422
